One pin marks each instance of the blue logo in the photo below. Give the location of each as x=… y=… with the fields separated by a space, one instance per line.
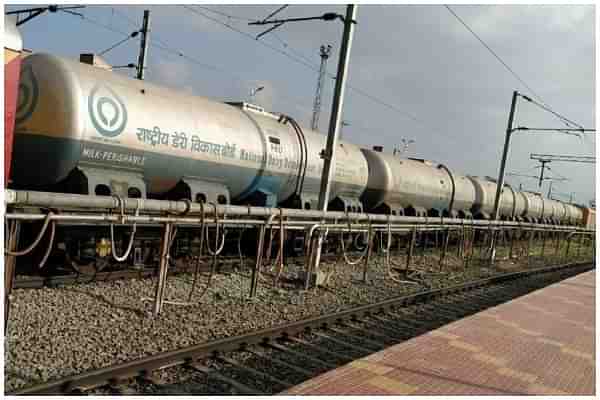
x=107 y=111
x=28 y=95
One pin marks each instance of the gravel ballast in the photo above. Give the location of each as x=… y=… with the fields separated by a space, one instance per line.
x=56 y=332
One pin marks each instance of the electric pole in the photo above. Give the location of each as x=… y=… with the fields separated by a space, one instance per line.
x=141 y=65
x=500 y=183
x=328 y=154
x=325 y=50
x=544 y=162
x=336 y=109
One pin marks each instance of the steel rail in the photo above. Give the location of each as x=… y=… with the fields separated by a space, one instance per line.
x=142 y=367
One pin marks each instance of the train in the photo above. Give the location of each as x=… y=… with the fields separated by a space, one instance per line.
x=85 y=130
x=13 y=47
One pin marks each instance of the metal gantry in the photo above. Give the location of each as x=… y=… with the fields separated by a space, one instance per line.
x=562 y=157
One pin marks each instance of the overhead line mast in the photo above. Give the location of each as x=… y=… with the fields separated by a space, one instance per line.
x=325 y=50
x=141 y=66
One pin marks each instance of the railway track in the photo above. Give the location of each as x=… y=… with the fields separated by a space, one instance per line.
x=271 y=360
x=37 y=282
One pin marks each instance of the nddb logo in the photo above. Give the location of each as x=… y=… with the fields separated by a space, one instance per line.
x=107 y=111
x=28 y=95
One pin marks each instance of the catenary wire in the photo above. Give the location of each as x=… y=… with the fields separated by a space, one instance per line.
x=548 y=109
x=120 y=42
x=311 y=66
x=286 y=54
x=491 y=50
x=194 y=61
x=545 y=105
x=235 y=17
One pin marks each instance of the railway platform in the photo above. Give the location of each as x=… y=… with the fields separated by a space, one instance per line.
x=541 y=343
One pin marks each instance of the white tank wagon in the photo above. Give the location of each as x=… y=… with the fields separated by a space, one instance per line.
x=534 y=206
x=85 y=130
x=81 y=129
x=561 y=216
x=404 y=186
x=519 y=204
x=547 y=210
x=559 y=211
x=485 y=189
x=574 y=215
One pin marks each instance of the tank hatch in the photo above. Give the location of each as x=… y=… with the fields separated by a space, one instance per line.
x=253 y=108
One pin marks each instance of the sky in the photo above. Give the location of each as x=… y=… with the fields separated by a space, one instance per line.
x=415 y=73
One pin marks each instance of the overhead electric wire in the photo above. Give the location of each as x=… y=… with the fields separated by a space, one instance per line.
x=290 y=48
x=283 y=7
x=131 y=36
x=568 y=131
x=238 y=78
x=520 y=172
x=388 y=105
x=195 y=61
x=543 y=104
x=94 y=22
x=224 y=14
x=125 y=16
x=299 y=58
x=556 y=173
x=312 y=67
x=548 y=109
x=225 y=24
x=491 y=51
x=169 y=49
x=522 y=175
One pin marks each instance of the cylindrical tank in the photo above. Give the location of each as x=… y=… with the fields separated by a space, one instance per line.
x=463 y=194
x=73 y=114
x=547 y=210
x=485 y=190
x=13 y=45
x=571 y=216
x=351 y=168
x=534 y=206
x=520 y=205
x=560 y=214
x=412 y=185
x=576 y=215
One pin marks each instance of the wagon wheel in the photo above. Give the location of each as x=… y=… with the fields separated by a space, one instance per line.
x=85 y=265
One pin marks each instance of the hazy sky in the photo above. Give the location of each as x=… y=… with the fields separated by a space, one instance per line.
x=442 y=88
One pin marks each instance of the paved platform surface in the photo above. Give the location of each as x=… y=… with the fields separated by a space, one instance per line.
x=540 y=343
